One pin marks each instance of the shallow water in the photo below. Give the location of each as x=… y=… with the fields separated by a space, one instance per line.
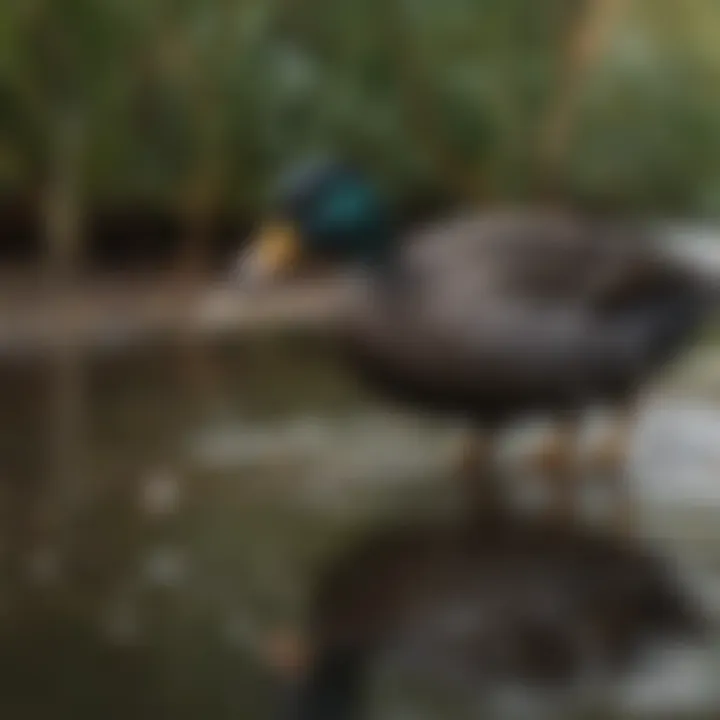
x=164 y=509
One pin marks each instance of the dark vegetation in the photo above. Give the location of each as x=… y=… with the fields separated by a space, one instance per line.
x=134 y=132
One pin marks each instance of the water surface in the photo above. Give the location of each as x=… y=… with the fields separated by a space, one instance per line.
x=164 y=508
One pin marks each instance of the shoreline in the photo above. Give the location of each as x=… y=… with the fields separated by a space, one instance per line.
x=121 y=313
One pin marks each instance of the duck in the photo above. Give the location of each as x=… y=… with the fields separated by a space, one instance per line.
x=516 y=602
x=493 y=316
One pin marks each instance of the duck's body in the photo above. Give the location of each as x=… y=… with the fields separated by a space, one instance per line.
x=497 y=316
x=494 y=316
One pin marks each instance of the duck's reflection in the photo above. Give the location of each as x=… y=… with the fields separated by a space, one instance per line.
x=512 y=600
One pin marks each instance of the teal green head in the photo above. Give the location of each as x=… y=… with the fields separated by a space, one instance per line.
x=323 y=212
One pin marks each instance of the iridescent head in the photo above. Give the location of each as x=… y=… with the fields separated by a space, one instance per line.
x=322 y=211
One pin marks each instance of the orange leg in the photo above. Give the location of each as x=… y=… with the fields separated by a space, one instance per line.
x=609 y=460
x=556 y=461
x=477 y=471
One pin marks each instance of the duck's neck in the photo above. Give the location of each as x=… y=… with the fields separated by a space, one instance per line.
x=379 y=257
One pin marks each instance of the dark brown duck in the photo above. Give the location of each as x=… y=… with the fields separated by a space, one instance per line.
x=492 y=317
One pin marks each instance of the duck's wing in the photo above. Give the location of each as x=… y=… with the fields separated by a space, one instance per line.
x=533 y=256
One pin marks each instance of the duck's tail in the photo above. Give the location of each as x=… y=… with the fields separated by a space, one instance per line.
x=665 y=307
x=690 y=302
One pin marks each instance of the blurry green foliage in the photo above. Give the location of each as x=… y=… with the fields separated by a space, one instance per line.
x=204 y=99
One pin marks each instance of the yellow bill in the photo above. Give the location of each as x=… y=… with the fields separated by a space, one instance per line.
x=275 y=251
